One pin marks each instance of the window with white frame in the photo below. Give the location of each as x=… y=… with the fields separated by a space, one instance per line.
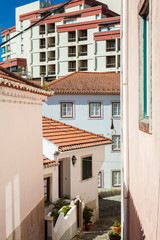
x=115 y=109
x=47 y=189
x=145 y=58
x=116 y=146
x=95 y=110
x=66 y=109
x=70 y=21
x=116 y=178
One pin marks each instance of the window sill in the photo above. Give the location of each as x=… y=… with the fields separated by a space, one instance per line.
x=144 y=125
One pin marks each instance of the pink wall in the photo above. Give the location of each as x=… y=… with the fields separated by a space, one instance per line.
x=21 y=171
x=144 y=148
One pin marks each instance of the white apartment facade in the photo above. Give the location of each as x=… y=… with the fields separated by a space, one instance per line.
x=83 y=36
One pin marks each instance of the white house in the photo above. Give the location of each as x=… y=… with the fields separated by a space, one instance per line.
x=21 y=172
x=91 y=101
x=78 y=156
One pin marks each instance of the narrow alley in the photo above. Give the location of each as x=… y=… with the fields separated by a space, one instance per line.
x=110 y=210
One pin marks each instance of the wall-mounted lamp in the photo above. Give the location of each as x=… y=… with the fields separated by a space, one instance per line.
x=74 y=160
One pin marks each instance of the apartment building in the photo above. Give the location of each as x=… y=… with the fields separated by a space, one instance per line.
x=81 y=36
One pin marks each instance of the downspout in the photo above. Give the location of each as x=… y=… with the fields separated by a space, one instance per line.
x=124 y=99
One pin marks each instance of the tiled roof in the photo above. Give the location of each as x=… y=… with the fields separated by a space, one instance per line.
x=87 y=83
x=67 y=137
x=12 y=80
x=48 y=163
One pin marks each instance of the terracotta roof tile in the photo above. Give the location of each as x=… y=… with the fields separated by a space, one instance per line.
x=67 y=137
x=48 y=163
x=10 y=79
x=87 y=83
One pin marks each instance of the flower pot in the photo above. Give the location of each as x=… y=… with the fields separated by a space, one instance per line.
x=116 y=229
x=88 y=226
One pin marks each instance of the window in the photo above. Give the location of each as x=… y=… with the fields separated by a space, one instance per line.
x=110 y=62
x=100 y=177
x=22 y=49
x=3 y=50
x=70 y=21
x=94 y=110
x=116 y=146
x=86 y=168
x=67 y=110
x=116 y=178
x=4 y=39
x=110 y=45
x=115 y=109
x=145 y=67
x=71 y=66
x=47 y=189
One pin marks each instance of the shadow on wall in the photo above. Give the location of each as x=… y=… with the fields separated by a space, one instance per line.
x=135 y=230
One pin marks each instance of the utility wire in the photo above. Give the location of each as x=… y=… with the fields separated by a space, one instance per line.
x=47 y=15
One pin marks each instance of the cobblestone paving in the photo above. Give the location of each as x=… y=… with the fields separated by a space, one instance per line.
x=109 y=211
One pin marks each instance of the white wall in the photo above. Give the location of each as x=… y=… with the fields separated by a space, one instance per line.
x=81 y=119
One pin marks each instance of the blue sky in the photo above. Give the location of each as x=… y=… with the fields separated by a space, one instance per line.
x=7 y=16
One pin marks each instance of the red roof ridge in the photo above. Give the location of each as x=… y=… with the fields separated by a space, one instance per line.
x=76 y=127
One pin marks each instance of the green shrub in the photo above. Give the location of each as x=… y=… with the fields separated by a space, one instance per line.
x=87 y=214
x=60 y=203
x=55 y=215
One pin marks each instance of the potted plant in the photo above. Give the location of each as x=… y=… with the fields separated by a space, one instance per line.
x=114 y=236
x=87 y=214
x=116 y=227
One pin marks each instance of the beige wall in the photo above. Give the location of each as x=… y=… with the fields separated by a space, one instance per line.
x=144 y=148
x=87 y=189
x=21 y=171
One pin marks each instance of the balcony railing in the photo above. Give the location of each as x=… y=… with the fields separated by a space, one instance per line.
x=52 y=30
x=110 y=49
x=110 y=65
x=72 y=39
x=51 y=72
x=82 y=53
x=72 y=69
x=51 y=58
x=42 y=32
x=42 y=59
x=42 y=46
x=83 y=68
x=72 y=54
x=43 y=73
x=51 y=44
x=82 y=38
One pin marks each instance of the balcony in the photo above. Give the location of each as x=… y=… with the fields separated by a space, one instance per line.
x=83 y=68
x=72 y=36
x=52 y=30
x=82 y=53
x=42 y=59
x=51 y=45
x=82 y=35
x=73 y=39
x=51 y=72
x=72 y=54
x=82 y=38
x=52 y=58
x=110 y=65
x=41 y=30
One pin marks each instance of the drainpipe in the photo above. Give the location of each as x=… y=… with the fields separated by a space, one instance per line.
x=124 y=100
